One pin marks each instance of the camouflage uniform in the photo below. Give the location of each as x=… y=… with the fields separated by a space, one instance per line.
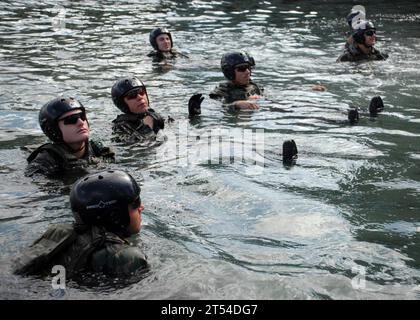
x=353 y=53
x=52 y=158
x=131 y=128
x=159 y=56
x=80 y=249
x=228 y=92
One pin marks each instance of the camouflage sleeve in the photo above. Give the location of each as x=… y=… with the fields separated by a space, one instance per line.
x=350 y=51
x=119 y=260
x=37 y=258
x=227 y=98
x=129 y=134
x=153 y=54
x=44 y=164
x=102 y=151
x=121 y=128
x=176 y=53
x=260 y=89
x=345 y=56
x=230 y=99
x=218 y=93
x=129 y=260
x=144 y=129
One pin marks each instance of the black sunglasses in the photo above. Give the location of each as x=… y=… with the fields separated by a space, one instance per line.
x=135 y=92
x=370 y=33
x=72 y=119
x=243 y=68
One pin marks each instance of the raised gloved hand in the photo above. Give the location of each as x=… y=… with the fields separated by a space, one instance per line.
x=290 y=152
x=353 y=115
x=194 y=104
x=376 y=105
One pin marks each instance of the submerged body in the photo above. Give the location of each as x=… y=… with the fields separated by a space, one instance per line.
x=64 y=121
x=352 y=52
x=159 y=56
x=107 y=209
x=229 y=92
x=78 y=250
x=360 y=45
x=239 y=92
x=52 y=159
x=138 y=121
x=133 y=128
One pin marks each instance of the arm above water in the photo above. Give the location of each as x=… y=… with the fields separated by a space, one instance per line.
x=243 y=105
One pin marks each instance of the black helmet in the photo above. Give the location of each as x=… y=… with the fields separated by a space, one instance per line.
x=102 y=199
x=232 y=59
x=51 y=111
x=360 y=27
x=156 y=33
x=120 y=89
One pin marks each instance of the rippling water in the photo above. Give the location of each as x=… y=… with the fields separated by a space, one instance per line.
x=342 y=223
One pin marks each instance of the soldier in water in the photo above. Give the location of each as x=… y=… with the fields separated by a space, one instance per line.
x=360 y=44
x=138 y=122
x=64 y=122
x=239 y=91
x=161 y=40
x=107 y=210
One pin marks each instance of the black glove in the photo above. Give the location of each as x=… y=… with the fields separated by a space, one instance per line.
x=290 y=152
x=383 y=56
x=376 y=105
x=353 y=115
x=194 y=105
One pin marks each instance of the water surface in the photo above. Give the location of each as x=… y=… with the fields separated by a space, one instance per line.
x=340 y=224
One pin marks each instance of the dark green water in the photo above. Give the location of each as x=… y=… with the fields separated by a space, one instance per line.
x=343 y=223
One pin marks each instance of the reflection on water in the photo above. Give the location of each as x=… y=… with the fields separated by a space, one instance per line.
x=242 y=227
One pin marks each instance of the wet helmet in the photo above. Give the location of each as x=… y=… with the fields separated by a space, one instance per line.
x=102 y=199
x=51 y=111
x=360 y=27
x=120 y=89
x=156 y=33
x=232 y=59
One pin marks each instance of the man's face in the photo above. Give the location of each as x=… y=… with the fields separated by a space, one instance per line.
x=164 y=43
x=137 y=100
x=370 y=38
x=74 y=126
x=242 y=74
x=135 y=219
